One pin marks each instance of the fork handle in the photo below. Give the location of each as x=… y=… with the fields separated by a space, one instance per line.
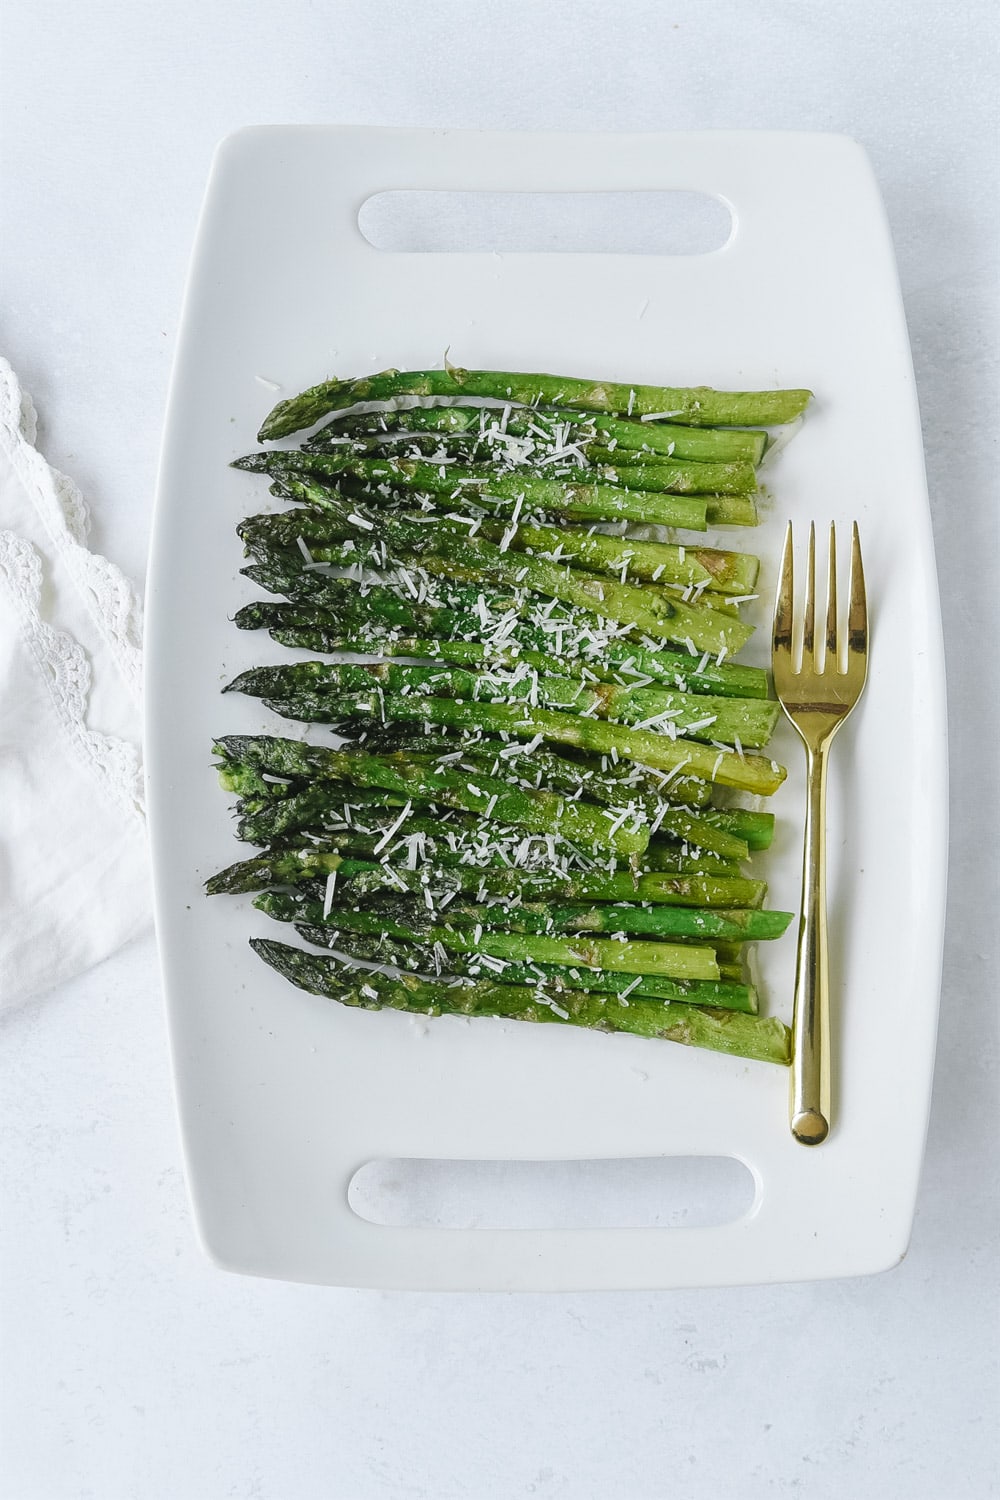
x=809 y=1109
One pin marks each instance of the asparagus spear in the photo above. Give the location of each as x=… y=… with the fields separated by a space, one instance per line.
x=593 y=781
x=661 y=857
x=319 y=818
x=724 y=1031
x=756 y=828
x=749 y=720
x=723 y=994
x=695 y=567
x=276 y=867
x=694 y=890
x=620 y=803
x=594 y=778
x=702 y=599
x=454 y=585
x=602 y=456
x=365 y=553
x=730 y=510
x=444 y=607
x=448 y=842
x=700 y=833
x=662 y=807
x=247 y=782
x=680 y=670
x=586 y=502
x=750 y=773
x=451 y=840
x=645 y=610
x=553 y=429
x=605 y=501
x=295 y=866
x=378 y=603
x=453 y=607
x=672 y=960
x=727 y=832
x=691 y=567
x=320 y=808
x=697 y=407
x=432 y=421
x=451 y=610
x=536 y=811
x=316 y=628
x=701 y=924
x=322 y=479
x=681 y=478
x=354 y=818
x=267 y=540
x=699 y=443
x=377 y=938
x=489 y=509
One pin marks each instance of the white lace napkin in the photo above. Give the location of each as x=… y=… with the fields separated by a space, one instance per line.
x=74 y=883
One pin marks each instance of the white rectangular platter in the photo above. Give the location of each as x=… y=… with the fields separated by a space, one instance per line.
x=283 y=1095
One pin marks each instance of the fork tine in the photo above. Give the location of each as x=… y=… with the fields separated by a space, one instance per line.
x=782 y=628
x=857 y=618
x=809 y=614
x=832 y=656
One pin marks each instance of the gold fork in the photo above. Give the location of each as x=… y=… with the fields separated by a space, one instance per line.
x=817 y=699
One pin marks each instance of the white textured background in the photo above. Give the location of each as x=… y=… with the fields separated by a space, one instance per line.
x=131 y=1368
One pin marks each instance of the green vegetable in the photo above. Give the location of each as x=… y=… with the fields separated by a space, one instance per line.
x=316 y=627
x=691 y=567
x=601 y=501
x=489 y=429
x=739 y=1035
x=700 y=924
x=295 y=866
x=749 y=720
x=647 y=611
x=750 y=773
x=672 y=960
x=536 y=811
x=523 y=807
x=380 y=948
x=698 y=407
